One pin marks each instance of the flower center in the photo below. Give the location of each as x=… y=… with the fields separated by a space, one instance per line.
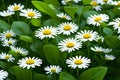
x=31 y=14
x=47 y=32
x=9 y=42
x=64 y=17
x=70 y=44
x=7 y=57
x=94 y=3
x=16 y=8
x=53 y=70
x=18 y=51
x=86 y=36
x=8 y=35
x=105 y=0
x=97 y=19
x=118 y=3
x=78 y=61
x=67 y=27
x=30 y=61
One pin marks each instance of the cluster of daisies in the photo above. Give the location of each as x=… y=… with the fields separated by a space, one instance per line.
x=69 y=45
x=96 y=4
x=28 y=13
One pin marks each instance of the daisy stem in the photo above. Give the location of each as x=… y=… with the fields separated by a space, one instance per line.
x=88 y=49
x=100 y=30
x=3 y=3
x=77 y=69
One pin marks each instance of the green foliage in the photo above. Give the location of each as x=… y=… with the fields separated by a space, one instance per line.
x=40 y=77
x=88 y=13
x=26 y=38
x=45 y=8
x=107 y=31
x=4 y=26
x=22 y=74
x=51 y=53
x=86 y=1
x=20 y=28
x=71 y=10
x=112 y=41
x=52 y=22
x=96 y=73
x=66 y=76
x=54 y=2
x=36 y=22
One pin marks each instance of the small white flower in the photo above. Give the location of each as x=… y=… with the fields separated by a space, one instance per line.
x=78 y=62
x=7 y=57
x=65 y=2
x=64 y=16
x=97 y=49
x=19 y=50
x=3 y=75
x=109 y=57
x=30 y=13
x=100 y=38
x=67 y=28
x=15 y=7
x=7 y=35
x=29 y=62
x=10 y=42
x=46 y=32
x=69 y=45
x=116 y=24
x=87 y=35
x=106 y=2
x=6 y=13
x=95 y=4
x=53 y=69
x=97 y=19
x=107 y=50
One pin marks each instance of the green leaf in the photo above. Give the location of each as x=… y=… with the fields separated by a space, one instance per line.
x=80 y=10
x=26 y=38
x=112 y=41
x=51 y=53
x=54 y=2
x=3 y=25
x=35 y=22
x=20 y=28
x=107 y=31
x=51 y=22
x=40 y=77
x=45 y=8
x=22 y=74
x=71 y=10
x=66 y=76
x=96 y=73
x=88 y=13
x=3 y=65
x=86 y=1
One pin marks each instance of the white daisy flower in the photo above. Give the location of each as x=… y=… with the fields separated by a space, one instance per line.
x=87 y=35
x=19 y=50
x=100 y=38
x=78 y=62
x=97 y=49
x=6 y=13
x=95 y=4
x=97 y=19
x=30 y=13
x=69 y=45
x=67 y=28
x=7 y=57
x=53 y=69
x=106 y=1
x=116 y=24
x=15 y=7
x=29 y=62
x=6 y=35
x=10 y=42
x=64 y=16
x=46 y=32
x=3 y=75
x=76 y=1
x=109 y=57
x=116 y=3
x=107 y=50
x=65 y=2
